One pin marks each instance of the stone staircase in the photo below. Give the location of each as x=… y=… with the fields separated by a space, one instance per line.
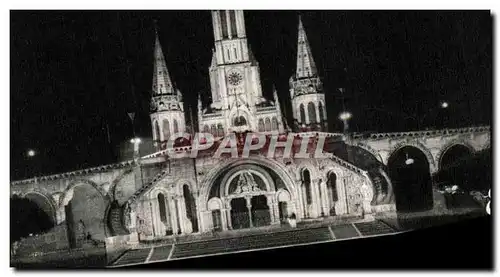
x=276 y=239
x=373 y=228
x=116 y=221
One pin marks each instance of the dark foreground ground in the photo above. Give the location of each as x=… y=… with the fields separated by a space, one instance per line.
x=467 y=244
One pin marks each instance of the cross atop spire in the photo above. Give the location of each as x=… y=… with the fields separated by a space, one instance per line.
x=161 y=78
x=305 y=63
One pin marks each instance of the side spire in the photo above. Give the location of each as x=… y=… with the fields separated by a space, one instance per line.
x=161 y=78
x=305 y=62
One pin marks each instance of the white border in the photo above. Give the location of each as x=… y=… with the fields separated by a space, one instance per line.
x=201 y=4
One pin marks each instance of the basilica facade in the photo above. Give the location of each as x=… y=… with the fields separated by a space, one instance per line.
x=206 y=193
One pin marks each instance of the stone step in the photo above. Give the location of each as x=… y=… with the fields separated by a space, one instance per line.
x=161 y=253
x=373 y=228
x=252 y=242
x=133 y=256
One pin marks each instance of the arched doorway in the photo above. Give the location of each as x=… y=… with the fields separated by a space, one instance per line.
x=190 y=207
x=260 y=211
x=409 y=171
x=239 y=214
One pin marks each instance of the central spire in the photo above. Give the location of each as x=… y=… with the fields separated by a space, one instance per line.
x=161 y=78
x=305 y=63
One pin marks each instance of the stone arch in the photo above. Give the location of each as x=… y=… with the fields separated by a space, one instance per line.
x=115 y=182
x=309 y=166
x=371 y=150
x=234 y=172
x=215 y=204
x=50 y=210
x=94 y=220
x=68 y=192
x=279 y=169
x=183 y=181
x=419 y=146
x=450 y=145
x=283 y=195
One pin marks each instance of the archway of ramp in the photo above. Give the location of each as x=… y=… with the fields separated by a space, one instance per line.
x=453 y=156
x=84 y=209
x=34 y=214
x=409 y=171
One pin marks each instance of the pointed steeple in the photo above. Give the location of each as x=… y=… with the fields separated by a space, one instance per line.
x=305 y=62
x=161 y=78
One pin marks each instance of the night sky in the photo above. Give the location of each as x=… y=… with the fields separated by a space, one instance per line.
x=74 y=73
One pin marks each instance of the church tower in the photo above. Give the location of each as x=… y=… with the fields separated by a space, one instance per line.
x=167 y=109
x=237 y=102
x=306 y=89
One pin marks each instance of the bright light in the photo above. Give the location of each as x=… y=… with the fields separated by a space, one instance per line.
x=444 y=105
x=345 y=116
x=31 y=153
x=135 y=140
x=409 y=161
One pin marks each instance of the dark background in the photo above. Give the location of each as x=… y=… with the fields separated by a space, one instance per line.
x=76 y=74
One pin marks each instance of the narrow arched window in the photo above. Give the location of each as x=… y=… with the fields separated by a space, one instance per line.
x=261 y=125
x=220 y=130
x=206 y=129
x=157 y=131
x=302 y=114
x=311 y=110
x=274 y=125
x=213 y=130
x=321 y=112
x=162 y=206
x=332 y=187
x=166 y=129
x=176 y=126
x=306 y=182
x=268 y=124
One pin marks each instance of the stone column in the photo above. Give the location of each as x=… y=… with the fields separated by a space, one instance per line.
x=343 y=196
x=249 y=207
x=227 y=203
x=223 y=219
x=314 y=198
x=319 y=197
x=173 y=218
x=180 y=213
x=303 y=197
x=325 y=199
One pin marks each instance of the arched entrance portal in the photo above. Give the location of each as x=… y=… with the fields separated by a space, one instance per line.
x=409 y=172
x=247 y=193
